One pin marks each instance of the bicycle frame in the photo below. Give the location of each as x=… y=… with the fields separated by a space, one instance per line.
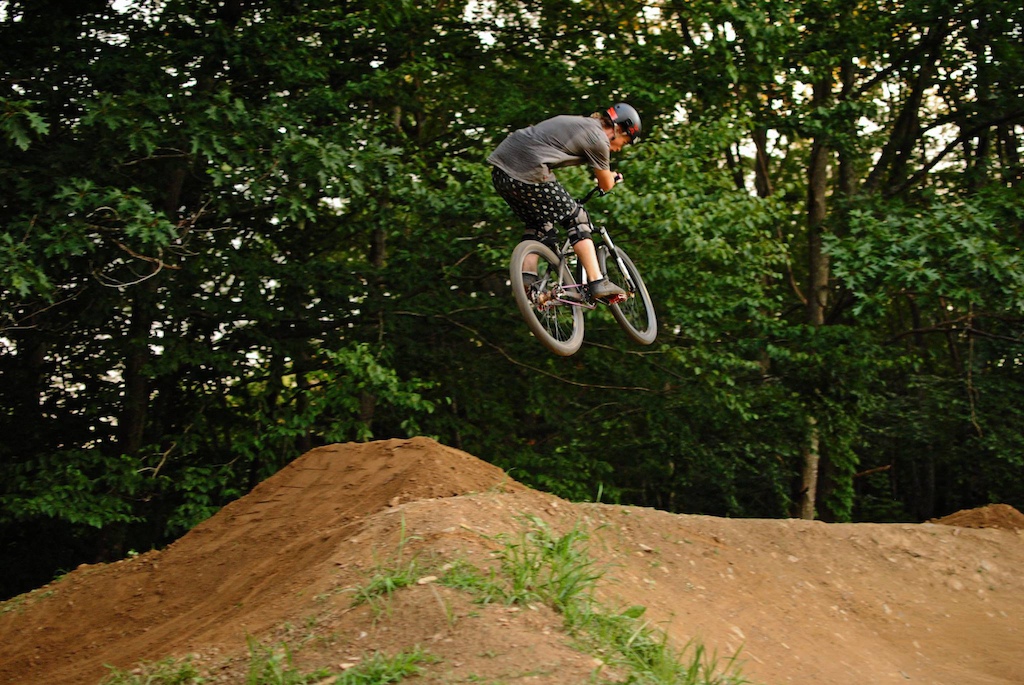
x=554 y=303
x=603 y=250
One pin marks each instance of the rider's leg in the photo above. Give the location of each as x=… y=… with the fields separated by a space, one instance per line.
x=530 y=264
x=587 y=254
x=578 y=226
x=580 y=231
x=545 y=233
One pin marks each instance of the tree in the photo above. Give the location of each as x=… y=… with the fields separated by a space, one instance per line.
x=166 y=170
x=233 y=231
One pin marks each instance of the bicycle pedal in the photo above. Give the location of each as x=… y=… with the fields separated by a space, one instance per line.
x=615 y=299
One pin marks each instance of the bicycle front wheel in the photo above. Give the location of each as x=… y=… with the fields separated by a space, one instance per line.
x=636 y=314
x=558 y=324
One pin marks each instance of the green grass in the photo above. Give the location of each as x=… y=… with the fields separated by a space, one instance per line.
x=384 y=582
x=539 y=566
x=461 y=575
x=553 y=570
x=275 y=666
x=381 y=669
x=166 y=672
x=626 y=640
x=388 y=577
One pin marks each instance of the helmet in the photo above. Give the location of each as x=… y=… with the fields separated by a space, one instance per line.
x=627 y=118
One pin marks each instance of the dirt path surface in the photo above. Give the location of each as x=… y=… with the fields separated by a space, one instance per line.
x=940 y=603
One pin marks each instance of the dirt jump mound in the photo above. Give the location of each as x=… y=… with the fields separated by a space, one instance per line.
x=993 y=516
x=799 y=601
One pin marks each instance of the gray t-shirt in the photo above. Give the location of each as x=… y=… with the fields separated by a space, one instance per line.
x=530 y=154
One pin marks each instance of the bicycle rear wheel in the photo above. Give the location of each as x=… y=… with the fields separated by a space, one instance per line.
x=636 y=314
x=557 y=324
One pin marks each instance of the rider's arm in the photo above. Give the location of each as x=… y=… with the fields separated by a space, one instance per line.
x=606 y=179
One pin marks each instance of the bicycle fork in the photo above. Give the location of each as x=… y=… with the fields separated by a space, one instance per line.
x=602 y=255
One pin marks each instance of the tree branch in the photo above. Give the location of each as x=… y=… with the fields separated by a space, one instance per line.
x=500 y=350
x=1012 y=117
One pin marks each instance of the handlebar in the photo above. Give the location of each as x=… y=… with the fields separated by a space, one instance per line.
x=596 y=190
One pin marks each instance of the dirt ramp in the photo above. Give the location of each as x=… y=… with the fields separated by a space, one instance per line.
x=991 y=516
x=237 y=573
x=800 y=601
x=325 y=490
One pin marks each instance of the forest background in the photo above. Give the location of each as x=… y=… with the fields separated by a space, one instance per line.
x=233 y=231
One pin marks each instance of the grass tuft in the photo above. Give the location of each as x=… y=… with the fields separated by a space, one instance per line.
x=166 y=672
x=388 y=578
x=274 y=665
x=542 y=567
x=539 y=566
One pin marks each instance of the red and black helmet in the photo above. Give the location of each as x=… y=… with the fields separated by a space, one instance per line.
x=627 y=119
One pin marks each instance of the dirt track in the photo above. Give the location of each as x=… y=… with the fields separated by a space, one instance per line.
x=808 y=602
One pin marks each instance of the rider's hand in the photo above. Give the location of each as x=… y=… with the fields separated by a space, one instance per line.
x=606 y=179
x=618 y=178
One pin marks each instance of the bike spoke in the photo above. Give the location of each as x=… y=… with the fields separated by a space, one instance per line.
x=557 y=323
x=636 y=313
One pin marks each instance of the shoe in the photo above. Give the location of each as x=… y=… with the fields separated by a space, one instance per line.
x=604 y=289
x=529 y=280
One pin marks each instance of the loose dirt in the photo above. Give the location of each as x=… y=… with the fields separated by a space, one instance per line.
x=940 y=603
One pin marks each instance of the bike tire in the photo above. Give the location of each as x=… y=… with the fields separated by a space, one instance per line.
x=636 y=315
x=558 y=326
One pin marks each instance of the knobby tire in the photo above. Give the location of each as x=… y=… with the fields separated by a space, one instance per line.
x=636 y=315
x=558 y=326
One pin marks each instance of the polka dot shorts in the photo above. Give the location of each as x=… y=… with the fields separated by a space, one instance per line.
x=538 y=205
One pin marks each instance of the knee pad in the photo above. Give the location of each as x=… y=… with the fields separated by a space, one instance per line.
x=578 y=225
x=546 y=234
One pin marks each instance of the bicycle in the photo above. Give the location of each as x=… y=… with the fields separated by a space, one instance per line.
x=554 y=304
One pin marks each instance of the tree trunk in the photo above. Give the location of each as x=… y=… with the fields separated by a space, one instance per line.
x=818 y=277
x=847 y=182
x=891 y=165
x=817 y=180
x=978 y=166
x=762 y=179
x=1009 y=155
x=132 y=422
x=812 y=459
x=735 y=168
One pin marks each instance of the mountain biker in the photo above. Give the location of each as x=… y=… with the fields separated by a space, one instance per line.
x=522 y=175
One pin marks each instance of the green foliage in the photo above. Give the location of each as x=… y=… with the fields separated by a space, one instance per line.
x=574 y=471
x=19 y=123
x=333 y=400
x=199 y=492
x=230 y=233
x=80 y=487
x=939 y=251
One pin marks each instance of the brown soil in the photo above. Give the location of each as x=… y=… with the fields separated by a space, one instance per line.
x=802 y=602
